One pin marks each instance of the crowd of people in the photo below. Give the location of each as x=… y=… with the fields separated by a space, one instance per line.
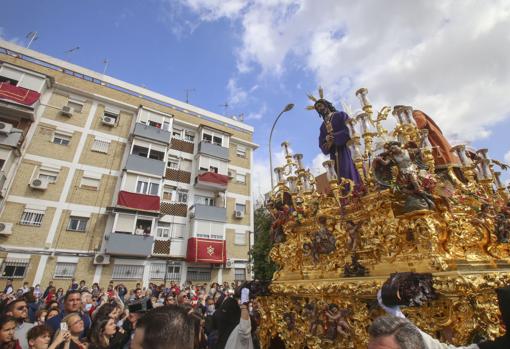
x=201 y=316
x=192 y=317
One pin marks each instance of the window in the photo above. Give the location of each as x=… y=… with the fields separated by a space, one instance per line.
x=77 y=106
x=213 y=169
x=189 y=136
x=154 y=124
x=145 y=187
x=241 y=151
x=240 y=238
x=48 y=175
x=77 y=223
x=173 y=163
x=217 y=140
x=168 y=193
x=143 y=226
x=8 y=80
x=157 y=271
x=127 y=272
x=202 y=235
x=177 y=133
x=177 y=230
x=64 y=270
x=140 y=151
x=207 y=138
x=166 y=125
x=156 y=155
x=32 y=217
x=14 y=268
x=100 y=145
x=204 y=200
x=182 y=196
x=216 y=237
x=89 y=182
x=240 y=178
x=163 y=230
x=241 y=208
x=62 y=139
x=239 y=274
x=198 y=274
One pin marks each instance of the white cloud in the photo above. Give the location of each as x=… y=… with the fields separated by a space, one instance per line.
x=259 y=114
x=236 y=94
x=316 y=168
x=444 y=57
x=507 y=157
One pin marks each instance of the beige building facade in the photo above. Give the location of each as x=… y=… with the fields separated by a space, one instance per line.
x=102 y=180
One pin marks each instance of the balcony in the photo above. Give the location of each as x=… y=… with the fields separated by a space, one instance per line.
x=18 y=95
x=209 y=213
x=145 y=165
x=178 y=175
x=128 y=245
x=152 y=133
x=139 y=202
x=180 y=145
x=174 y=209
x=211 y=181
x=206 y=251
x=213 y=150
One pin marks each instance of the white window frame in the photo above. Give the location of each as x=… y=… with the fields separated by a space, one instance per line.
x=240 y=204
x=214 y=134
x=48 y=174
x=90 y=181
x=79 y=225
x=100 y=145
x=21 y=263
x=240 y=178
x=173 y=163
x=70 y=103
x=238 y=270
x=163 y=230
x=240 y=238
x=189 y=136
x=61 y=266
x=241 y=151
x=64 y=139
x=147 y=186
x=32 y=217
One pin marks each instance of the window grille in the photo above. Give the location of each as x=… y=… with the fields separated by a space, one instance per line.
x=240 y=178
x=61 y=139
x=100 y=146
x=65 y=270
x=197 y=274
x=32 y=217
x=157 y=271
x=14 y=268
x=239 y=274
x=127 y=272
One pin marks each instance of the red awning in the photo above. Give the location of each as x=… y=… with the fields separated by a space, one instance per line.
x=138 y=201
x=206 y=251
x=18 y=94
x=212 y=177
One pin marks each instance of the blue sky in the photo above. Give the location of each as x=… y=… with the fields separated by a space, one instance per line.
x=260 y=55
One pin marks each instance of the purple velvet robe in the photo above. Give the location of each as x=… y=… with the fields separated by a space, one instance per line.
x=339 y=151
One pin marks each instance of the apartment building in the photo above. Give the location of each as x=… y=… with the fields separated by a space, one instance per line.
x=103 y=180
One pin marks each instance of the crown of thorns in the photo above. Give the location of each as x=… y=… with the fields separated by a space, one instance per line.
x=315 y=99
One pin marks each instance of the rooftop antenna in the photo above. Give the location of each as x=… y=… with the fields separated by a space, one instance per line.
x=32 y=36
x=225 y=105
x=74 y=49
x=105 y=62
x=188 y=90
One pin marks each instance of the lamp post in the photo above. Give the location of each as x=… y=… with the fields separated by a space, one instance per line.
x=286 y=109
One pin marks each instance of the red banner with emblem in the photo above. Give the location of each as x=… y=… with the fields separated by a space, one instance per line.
x=206 y=251
x=18 y=94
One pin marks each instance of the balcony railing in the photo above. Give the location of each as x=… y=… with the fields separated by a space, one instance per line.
x=180 y=145
x=151 y=132
x=178 y=175
x=174 y=208
x=140 y=202
x=211 y=181
x=145 y=165
x=213 y=150
x=209 y=213
x=128 y=244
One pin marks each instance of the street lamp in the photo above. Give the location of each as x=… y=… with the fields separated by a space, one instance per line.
x=286 y=109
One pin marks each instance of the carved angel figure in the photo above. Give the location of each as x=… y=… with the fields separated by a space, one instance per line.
x=336 y=323
x=323 y=242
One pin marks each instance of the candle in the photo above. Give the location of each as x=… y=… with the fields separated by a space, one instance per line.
x=279 y=174
x=292 y=184
x=362 y=95
x=397 y=113
x=363 y=120
x=482 y=153
x=351 y=123
x=329 y=165
x=285 y=146
x=354 y=148
x=408 y=111
x=424 y=137
x=299 y=160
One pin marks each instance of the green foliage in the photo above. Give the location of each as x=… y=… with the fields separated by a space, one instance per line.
x=263 y=267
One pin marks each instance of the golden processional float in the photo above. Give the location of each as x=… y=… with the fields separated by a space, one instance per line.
x=446 y=222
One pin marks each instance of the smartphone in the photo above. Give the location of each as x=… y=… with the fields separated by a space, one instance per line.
x=63 y=326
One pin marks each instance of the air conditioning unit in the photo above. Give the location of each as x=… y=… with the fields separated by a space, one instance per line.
x=229 y=263
x=41 y=184
x=67 y=111
x=101 y=259
x=108 y=121
x=5 y=228
x=5 y=128
x=238 y=214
